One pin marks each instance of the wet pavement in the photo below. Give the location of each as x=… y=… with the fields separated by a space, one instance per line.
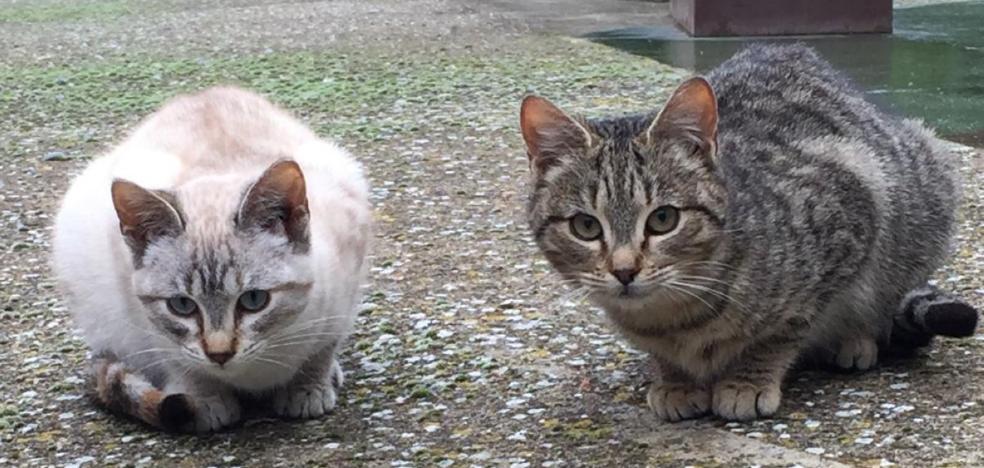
x=932 y=67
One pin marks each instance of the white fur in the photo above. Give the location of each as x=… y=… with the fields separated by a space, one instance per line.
x=208 y=148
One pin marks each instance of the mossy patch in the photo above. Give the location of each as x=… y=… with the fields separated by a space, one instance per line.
x=345 y=95
x=41 y=12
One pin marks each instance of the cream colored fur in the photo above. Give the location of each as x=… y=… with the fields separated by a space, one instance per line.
x=208 y=149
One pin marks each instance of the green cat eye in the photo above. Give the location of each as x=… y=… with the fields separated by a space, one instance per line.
x=662 y=220
x=181 y=306
x=254 y=300
x=585 y=227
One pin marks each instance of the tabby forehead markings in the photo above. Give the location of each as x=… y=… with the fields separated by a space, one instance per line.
x=809 y=224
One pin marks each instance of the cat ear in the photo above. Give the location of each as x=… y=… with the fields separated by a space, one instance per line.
x=691 y=113
x=144 y=216
x=277 y=202
x=549 y=133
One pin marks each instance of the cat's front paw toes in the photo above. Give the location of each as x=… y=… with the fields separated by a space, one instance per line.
x=743 y=401
x=675 y=402
x=857 y=354
x=194 y=413
x=305 y=401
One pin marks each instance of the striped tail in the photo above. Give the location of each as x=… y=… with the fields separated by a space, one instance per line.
x=125 y=392
x=926 y=311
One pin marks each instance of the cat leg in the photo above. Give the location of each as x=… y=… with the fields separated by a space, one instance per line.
x=123 y=391
x=178 y=407
x=923 y=313
x=847 y=334
x=314 y=390
x=857 y=353
x=199 y=406
x=752 y=387
x=676 y=396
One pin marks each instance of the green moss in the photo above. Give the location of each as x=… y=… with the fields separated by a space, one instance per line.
x=581 y=429
x=34 y=12
x=420 y=391
x=351 y=96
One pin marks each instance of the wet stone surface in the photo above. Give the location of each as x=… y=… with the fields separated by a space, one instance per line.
x=468 y=350
x=930 y=67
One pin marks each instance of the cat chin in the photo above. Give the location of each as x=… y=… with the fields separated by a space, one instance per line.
x=249 y=376
x=632 y=300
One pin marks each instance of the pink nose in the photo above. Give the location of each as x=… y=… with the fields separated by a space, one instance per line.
x=220 y=358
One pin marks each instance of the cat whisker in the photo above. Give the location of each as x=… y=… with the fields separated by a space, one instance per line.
x=721 y=294
x=575 y=295
x=157 y=363
x=276 y=362
x=679 y=288
x=145 y=351
x=299 y=371
x=289 y=344
x=713 y=292
x=705 y=278
x=545 y=280
x=708 y=263
x=305 y=324
x=326 y=334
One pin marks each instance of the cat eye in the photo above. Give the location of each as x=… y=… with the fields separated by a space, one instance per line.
x=662 y=220
x=585 y=227
x=254 y=300
x=181 y=306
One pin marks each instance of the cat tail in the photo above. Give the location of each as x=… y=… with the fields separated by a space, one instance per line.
x=129 y=393
x=926 y=311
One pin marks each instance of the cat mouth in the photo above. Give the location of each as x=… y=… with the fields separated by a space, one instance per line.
x=628 y=292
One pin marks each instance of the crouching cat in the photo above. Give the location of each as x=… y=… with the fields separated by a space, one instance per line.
x=218 y=252
x=765 y=214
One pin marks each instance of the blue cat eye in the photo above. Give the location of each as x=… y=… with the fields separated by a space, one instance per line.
x=182 y=306
x=662 y=220
x=254 y=300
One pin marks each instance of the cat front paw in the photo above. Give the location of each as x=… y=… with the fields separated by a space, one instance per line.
x=310 y=399
x=196 y=413
x=743 y=401
x=677 y=401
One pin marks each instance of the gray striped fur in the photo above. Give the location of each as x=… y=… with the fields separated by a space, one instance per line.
x=801 y=230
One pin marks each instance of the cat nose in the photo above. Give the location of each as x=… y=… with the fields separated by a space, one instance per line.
x=220 y=358
x=625 y=275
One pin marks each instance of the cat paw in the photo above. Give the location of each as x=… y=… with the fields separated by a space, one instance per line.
x=743 y=401
x=676 y=402
x=335 y=375
x=857 y=354
x=183 y=412
x=309 y=400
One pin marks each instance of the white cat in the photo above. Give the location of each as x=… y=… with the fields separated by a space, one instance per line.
x=217 y=252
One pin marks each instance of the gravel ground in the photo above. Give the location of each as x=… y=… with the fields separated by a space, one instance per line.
x=468 y=351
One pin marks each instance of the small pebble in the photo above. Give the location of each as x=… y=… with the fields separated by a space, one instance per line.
x=55 y=156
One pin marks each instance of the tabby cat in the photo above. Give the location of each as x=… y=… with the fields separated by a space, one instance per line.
x=217 y=253
x=766 y=213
